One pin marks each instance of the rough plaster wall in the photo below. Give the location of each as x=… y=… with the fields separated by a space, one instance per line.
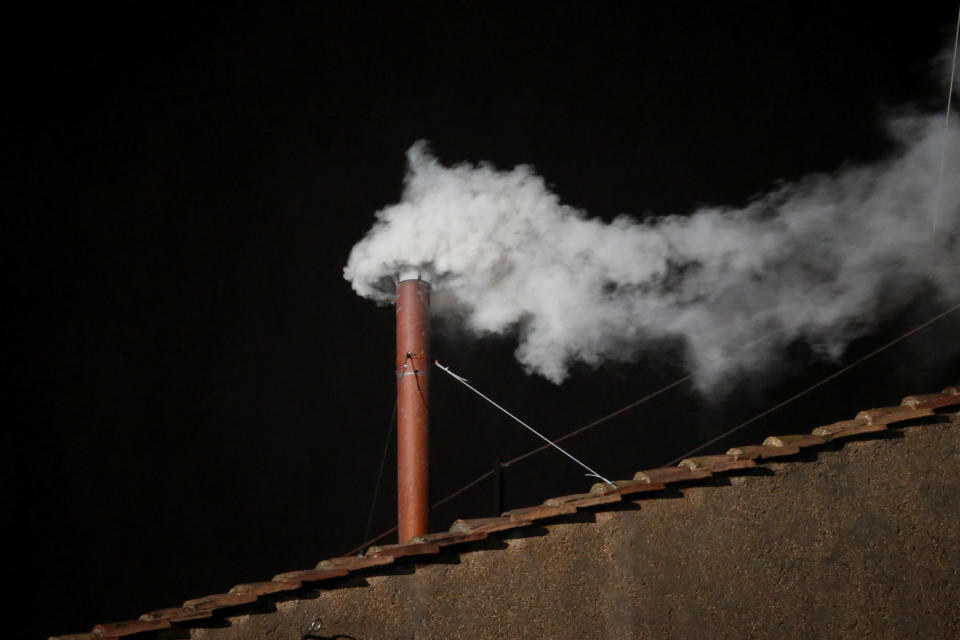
x=860 y=539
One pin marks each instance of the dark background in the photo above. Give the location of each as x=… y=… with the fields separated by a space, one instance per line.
x=198 y=399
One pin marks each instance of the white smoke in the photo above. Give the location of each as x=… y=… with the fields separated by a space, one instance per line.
x=822 y=260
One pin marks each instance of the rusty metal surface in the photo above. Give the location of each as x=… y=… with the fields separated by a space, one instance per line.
x=760 y=451
x=413 y=366
x=716 y=464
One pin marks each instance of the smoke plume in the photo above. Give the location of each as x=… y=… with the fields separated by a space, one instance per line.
x=821 y=260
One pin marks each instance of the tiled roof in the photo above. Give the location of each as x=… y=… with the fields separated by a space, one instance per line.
x=648 y=482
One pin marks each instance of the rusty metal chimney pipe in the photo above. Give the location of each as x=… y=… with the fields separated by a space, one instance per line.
x=413 y=365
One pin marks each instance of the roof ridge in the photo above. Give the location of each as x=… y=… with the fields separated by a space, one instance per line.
x=462 y=532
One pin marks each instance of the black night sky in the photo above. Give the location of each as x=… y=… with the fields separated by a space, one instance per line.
x=199 y=399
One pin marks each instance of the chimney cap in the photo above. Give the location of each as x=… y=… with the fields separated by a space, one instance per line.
x=410 y=274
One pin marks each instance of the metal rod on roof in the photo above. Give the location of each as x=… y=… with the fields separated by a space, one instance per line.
x=498 y=487
x=413 y=365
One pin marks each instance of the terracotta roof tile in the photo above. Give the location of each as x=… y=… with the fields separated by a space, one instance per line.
x=931 y=400
x=846 y=428
x=310 y=575
x=402 y=550
x=540 y=512
x=716 y=464
x=666 y=475
x=582 y=500
x=797 y=440
x=762 y=451
x=128 y=628
x=487 y=525
x=446 y=538
x=889 y=415
x=219 y=601
x=176 y=614
x=354 y=563
x=265 y=588
x=624 y=487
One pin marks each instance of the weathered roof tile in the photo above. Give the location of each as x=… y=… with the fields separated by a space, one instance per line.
x=265 y=588
x=624 y=487
x=402 y=550
x=488 y=525
x=219 y=601
x=539 y=512
x=846 y=428
x=796 y=440
x=176 y=614
x=310 y=575
x=889 y=415
x=761 y=451
x=930 y=400
x=128 y=627
x=446 y=538
x=582 y=500
x=716 y=464
x=666 y=475
x=354 y=563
